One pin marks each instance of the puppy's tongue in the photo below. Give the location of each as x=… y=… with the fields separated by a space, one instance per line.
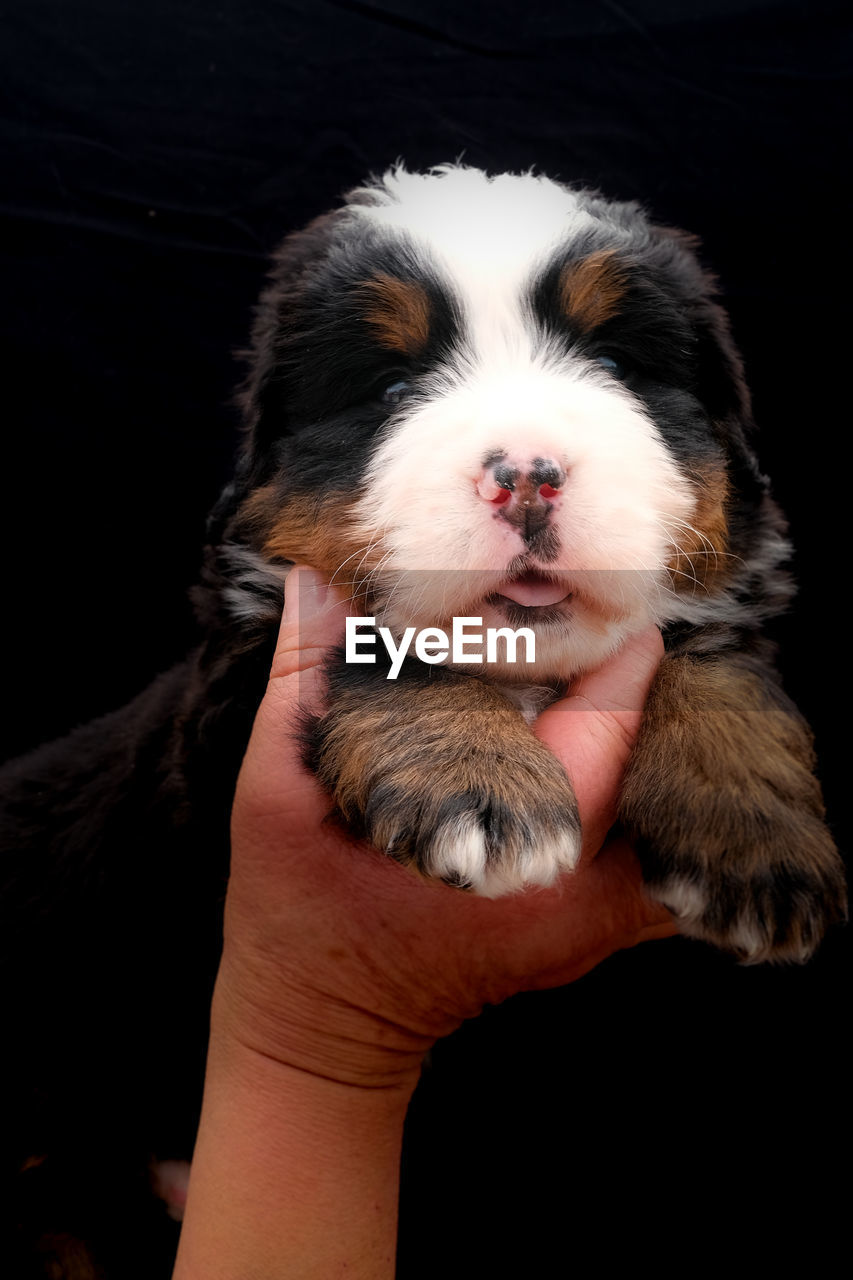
x=533 y=590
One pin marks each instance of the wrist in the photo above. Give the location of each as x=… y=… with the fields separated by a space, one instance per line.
x=316 y=1035
x=279 y=1100
x=294 y=1175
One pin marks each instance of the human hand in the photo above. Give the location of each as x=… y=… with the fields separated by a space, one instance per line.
x=340 y=968
x=340 y=962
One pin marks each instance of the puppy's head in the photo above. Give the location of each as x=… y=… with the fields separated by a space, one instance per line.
x=502 y=398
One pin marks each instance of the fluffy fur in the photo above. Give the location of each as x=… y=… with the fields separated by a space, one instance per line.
x=469 y=396
x=536 y=416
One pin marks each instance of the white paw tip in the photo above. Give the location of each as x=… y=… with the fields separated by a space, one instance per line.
x=463 y=857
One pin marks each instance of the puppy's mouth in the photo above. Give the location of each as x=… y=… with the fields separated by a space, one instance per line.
x=531 y=597
x=533 y=590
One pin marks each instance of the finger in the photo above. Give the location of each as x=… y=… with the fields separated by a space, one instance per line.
x=620 y=912
x=273 y=776
x=641 y=917
x=548 y=937
x=593 y=730
x=621 y=686
x=312 y=622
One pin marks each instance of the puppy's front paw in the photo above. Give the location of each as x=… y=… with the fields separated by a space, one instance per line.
x=489 y=825
x=453 y=783
x=766 y=894
x=727 y=813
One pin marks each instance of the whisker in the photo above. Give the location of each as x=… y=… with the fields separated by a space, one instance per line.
x=362 y=551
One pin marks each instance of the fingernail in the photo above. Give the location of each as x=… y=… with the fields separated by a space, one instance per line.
x=306 y=593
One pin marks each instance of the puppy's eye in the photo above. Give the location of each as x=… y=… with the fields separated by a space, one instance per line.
x=612 y=365
x=395 y=393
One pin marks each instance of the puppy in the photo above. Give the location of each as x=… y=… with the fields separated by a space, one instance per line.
x=503 y=399
x=470 y=397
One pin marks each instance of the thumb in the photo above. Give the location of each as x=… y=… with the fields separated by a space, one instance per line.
x=313 y=621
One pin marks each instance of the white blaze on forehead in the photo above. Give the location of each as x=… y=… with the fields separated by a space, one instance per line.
x=489 y=234
x=477 y=221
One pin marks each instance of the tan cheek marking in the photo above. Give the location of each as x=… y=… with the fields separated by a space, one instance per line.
x=398 y=313
x=592 y=289
x=702 y=544
x=317 y=531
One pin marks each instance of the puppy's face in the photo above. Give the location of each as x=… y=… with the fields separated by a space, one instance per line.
x=503 y=399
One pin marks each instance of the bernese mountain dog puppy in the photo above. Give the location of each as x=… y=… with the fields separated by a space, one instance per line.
x=492 y=398
x=499 y=398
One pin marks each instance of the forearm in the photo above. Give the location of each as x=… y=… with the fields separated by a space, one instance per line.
x=293 y=1175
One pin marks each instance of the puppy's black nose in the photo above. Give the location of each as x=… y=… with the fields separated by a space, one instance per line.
x=522 y=492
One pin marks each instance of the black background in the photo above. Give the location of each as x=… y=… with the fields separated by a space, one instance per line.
x=154 y=152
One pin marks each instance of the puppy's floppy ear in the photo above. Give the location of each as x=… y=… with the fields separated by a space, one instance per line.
x=261 y=399
x=721 y=384
x=756 y=529
x=668 y=253
x=720 y=378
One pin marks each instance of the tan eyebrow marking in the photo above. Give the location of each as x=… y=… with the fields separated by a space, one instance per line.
x=591 y=289
x=398 y=312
